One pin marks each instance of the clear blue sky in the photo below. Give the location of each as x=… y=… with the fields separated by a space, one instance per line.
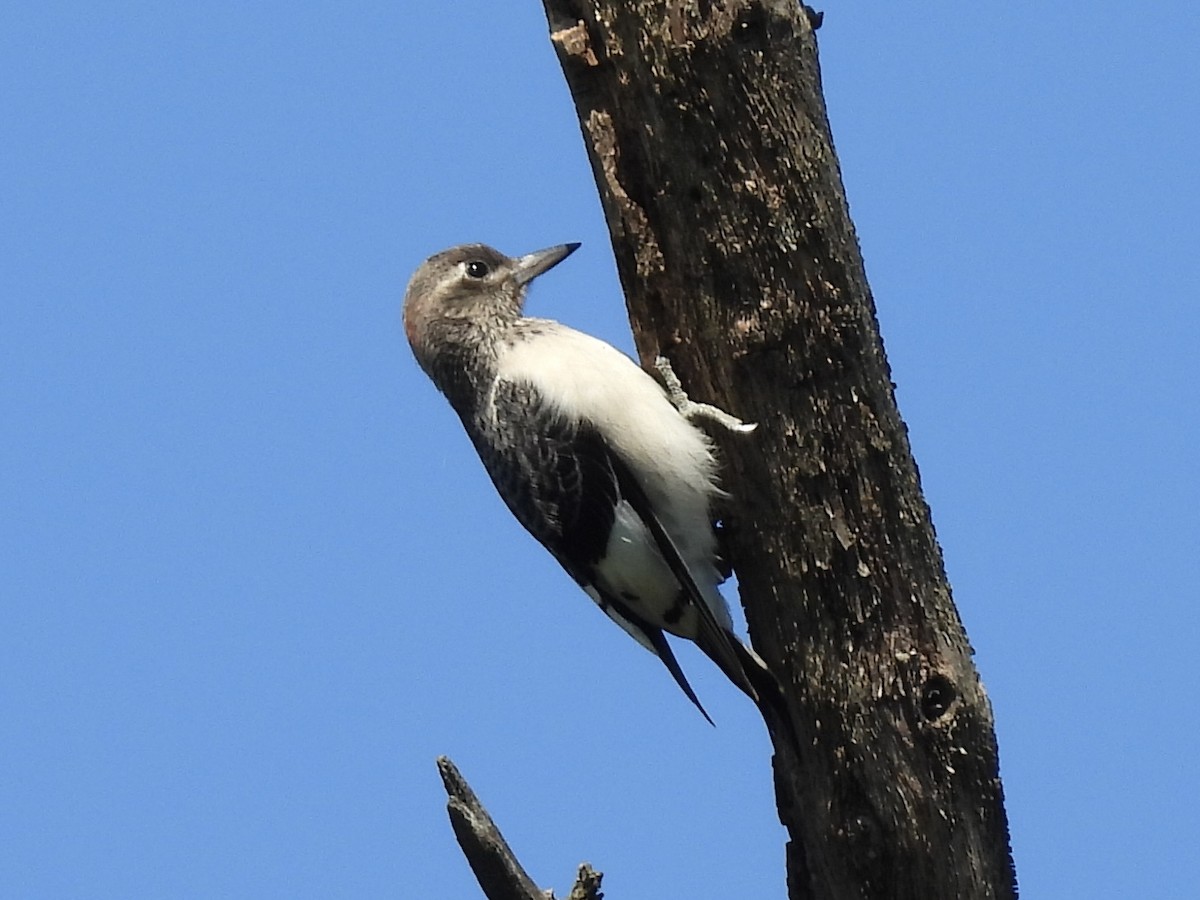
x=253 y=579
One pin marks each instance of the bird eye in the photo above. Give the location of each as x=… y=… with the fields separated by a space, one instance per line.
x=477 y=269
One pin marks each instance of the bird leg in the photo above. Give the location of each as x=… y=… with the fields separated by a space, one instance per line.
x=691 y=410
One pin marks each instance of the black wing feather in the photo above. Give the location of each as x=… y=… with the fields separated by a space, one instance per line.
x=562 y=482
x=716 y=642
x=554 y=474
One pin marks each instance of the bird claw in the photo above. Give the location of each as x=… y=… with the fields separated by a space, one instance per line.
x=693 y=411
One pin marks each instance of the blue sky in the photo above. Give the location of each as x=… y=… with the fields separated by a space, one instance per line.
x=253 y=579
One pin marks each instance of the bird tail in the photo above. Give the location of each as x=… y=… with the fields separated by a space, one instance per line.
x=664 y=652
x=740 y=664
x=747 y=670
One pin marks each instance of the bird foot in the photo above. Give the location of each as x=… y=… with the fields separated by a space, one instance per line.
x=691 y=410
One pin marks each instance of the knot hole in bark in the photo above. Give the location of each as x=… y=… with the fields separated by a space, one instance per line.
x=937 y=696
x=750 y=27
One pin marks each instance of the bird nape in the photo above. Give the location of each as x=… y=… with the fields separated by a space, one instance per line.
x=597 y=461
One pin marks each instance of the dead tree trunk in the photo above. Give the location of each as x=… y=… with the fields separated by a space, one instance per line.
x=708 y=137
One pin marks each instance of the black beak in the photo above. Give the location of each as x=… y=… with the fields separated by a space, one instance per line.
x=532 y=265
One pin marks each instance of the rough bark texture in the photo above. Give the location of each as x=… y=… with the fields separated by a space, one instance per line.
x=709 y=141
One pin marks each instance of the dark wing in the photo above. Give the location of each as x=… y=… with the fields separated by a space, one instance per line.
x=555 y=475
x=562 y=481
x=717 y=643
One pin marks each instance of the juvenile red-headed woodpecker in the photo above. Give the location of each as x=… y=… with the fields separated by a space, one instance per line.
x=592 y=455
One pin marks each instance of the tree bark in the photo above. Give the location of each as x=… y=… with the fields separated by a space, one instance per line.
x=709 y=141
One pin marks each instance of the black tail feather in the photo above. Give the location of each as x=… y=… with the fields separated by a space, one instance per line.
x=761 y=686
x=663 y=649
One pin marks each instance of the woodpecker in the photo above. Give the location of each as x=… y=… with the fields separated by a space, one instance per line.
x=601 y=464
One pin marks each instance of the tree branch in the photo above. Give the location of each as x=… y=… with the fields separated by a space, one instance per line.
x=496 y=868
x=707 y=132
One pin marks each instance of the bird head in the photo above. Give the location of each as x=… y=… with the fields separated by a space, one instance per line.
x=466 y=294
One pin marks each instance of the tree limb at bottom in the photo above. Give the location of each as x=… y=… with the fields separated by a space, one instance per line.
x=496 y=868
